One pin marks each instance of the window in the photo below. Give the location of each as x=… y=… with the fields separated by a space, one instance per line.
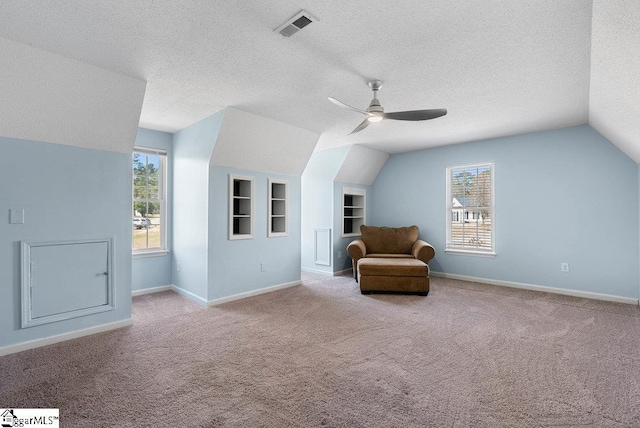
x=470 y=209
x=353 y=211
x=149 y=201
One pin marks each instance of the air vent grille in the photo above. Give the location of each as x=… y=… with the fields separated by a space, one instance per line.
x=295 y=23
x=302 y=22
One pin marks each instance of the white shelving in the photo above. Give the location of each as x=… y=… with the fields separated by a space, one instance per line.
x=278 y=209
x=354 y=204
x=240 y=207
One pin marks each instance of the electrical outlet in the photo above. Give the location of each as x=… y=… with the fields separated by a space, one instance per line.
x=339 y=254
x=564 y=267
x=263 y=267
x=17 y=216
x=179 y=266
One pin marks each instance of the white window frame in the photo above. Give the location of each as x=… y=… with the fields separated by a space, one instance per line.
x=458 y=249
x=164 y=221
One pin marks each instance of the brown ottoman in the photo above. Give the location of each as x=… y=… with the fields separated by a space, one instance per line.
x=397 y=275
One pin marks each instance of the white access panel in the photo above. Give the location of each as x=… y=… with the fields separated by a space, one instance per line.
x=63 y=280
x=322 y=244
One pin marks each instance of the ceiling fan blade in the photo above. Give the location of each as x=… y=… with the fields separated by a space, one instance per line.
x=341 y=104
x=415 y=114
x=360 y=127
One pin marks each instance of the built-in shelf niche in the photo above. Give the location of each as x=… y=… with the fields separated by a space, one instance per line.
x=278 y=210
x=354 y=203
x=240 y=207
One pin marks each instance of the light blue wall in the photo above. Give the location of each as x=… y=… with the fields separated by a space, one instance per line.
x=67 y=193
x=234 y=266
x=148 y=272
x=318 y=201
x=339 y=243
x=192 y=149
x=561 y=196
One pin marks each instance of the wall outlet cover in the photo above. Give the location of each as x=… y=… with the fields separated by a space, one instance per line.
x=17 y=216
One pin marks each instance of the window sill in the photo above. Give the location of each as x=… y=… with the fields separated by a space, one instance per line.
x=464 y=252
x=149 y=253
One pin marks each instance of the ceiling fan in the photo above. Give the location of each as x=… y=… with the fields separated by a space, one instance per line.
x=375 y=112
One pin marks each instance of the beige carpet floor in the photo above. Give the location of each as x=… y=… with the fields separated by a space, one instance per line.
x=321 y=354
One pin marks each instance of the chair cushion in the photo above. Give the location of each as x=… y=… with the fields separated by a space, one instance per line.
x=392 y=267
x=389 y=256
x=392 y=240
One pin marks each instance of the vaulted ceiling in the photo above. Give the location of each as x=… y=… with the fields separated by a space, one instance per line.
x=500 y=67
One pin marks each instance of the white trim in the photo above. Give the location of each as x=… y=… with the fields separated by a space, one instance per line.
x=470 y=252
x=353 y=191
x=318 y=271
x=31 y=344
x=151 y=290
x=251 y=197
x=270 y=232
x=204 y=302
x=316 y=258
x=28 y=319
x=190 y=295
x=149 y=150
x=449 y=210
x=164 y=212
x=326 y=273
x=252 y=293
x=543 y=288
x=142 y=254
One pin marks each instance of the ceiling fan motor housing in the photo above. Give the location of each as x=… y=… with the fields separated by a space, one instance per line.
x=375 y=107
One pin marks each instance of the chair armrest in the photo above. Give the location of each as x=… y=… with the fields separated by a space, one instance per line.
x=356 y=250
x=423 y=251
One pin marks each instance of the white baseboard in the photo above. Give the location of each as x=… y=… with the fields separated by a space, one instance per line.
x=324 y=272
x=342 y=272
x=563 y=291
x=23 y=346
x=318 y=271
x=203 y=302
x=252 y=293
x=150 y=290
x=189 y=295
x=31 y=344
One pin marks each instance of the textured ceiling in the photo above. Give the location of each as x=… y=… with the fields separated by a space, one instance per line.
x=614 y=108
x=500 y=67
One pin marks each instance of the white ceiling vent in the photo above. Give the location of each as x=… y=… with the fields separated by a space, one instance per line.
x=295 y=24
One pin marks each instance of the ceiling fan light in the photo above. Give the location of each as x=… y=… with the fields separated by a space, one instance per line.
x=374 y=119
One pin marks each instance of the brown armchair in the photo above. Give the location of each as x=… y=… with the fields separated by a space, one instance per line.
x=392 y=259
